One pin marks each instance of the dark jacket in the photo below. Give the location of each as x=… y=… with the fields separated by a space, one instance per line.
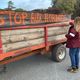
x=73 y=40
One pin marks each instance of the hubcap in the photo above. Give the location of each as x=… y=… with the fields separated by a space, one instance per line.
x=61 y=54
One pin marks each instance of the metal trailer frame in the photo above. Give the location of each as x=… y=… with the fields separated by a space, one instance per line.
x=15 y=55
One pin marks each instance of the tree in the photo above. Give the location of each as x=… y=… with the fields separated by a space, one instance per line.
x=19 y=9
x=77 y=9
x=67 y=6
x=10 y=5
x=1 y=9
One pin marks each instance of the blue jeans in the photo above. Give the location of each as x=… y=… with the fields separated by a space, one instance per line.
x=74 y=56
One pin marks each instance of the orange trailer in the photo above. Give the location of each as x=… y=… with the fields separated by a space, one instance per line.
x=22 y=41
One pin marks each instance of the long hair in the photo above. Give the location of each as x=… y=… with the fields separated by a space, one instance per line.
x=77 y=23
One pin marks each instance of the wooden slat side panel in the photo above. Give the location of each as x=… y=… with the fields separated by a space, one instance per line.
x=22 y=35
x=19 y=45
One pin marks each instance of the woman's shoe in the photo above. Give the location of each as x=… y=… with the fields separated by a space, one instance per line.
x=77 y=68
x=72 y=70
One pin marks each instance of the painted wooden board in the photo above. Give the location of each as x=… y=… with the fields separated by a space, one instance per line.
x=18 y=36
x=22 y=44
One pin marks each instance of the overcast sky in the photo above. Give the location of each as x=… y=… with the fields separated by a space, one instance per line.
x=27 y=4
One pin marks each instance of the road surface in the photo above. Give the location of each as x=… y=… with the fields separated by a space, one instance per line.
x=39 y=68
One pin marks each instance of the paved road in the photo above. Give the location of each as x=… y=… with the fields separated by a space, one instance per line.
x=39 y=68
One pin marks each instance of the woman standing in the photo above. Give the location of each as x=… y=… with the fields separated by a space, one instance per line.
x=73 y=43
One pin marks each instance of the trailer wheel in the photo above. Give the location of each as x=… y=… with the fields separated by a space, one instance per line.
x=58 y=53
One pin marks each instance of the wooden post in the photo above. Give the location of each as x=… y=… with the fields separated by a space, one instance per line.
x=46 y=38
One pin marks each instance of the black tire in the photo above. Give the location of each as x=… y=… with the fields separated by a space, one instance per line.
x=58 y=53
